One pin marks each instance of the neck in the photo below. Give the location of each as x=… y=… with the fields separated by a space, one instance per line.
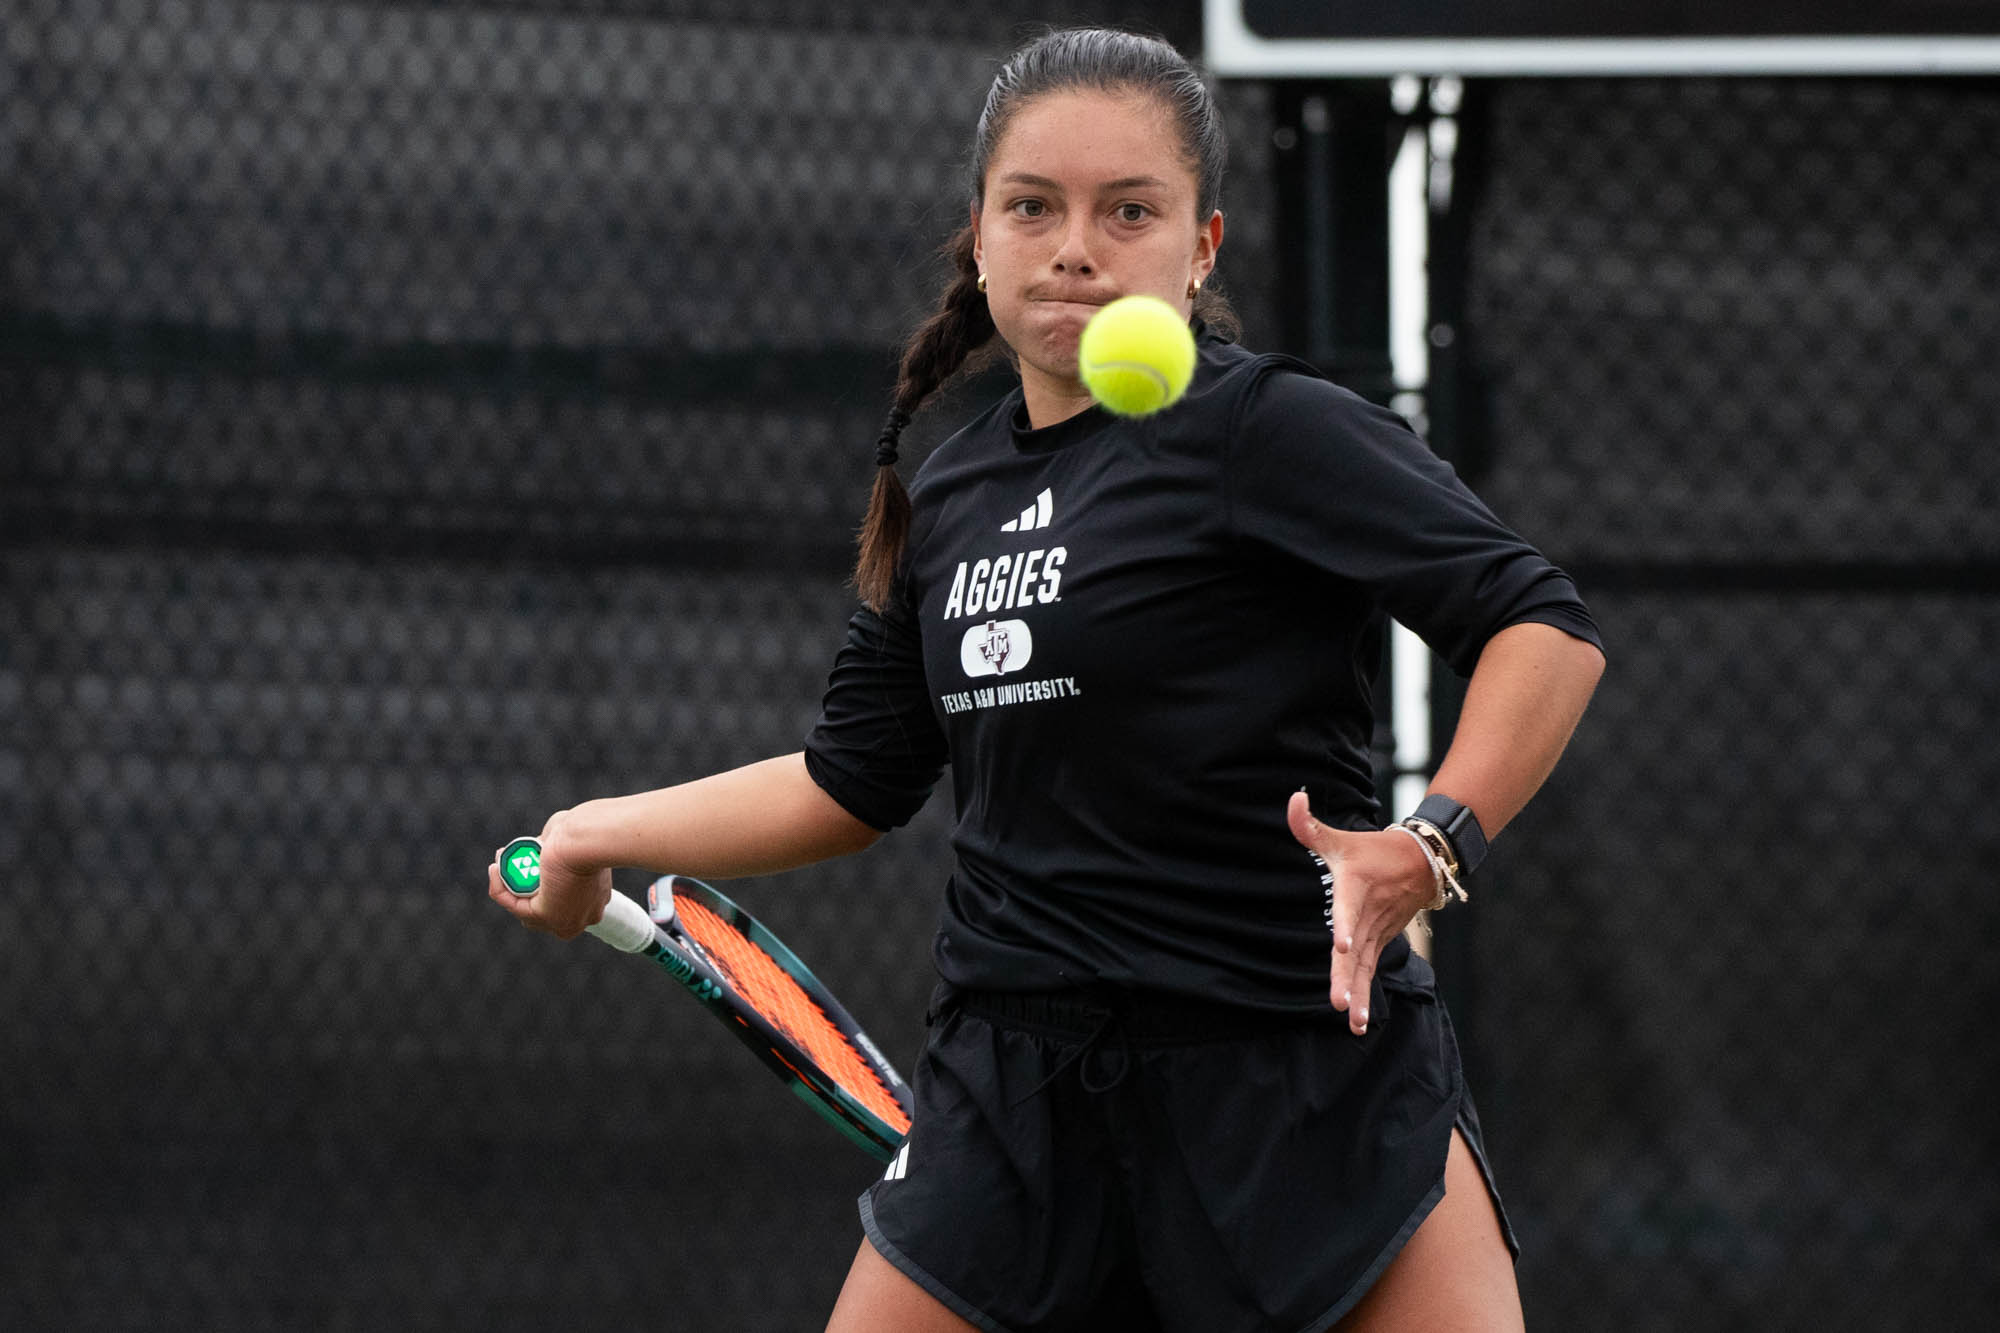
x=1051 y=399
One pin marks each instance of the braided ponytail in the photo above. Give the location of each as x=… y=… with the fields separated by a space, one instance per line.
x=952 y=339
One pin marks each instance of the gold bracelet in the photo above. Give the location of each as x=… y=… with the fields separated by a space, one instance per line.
x=1435 y=836
x=1431 y=858
x=1439 y=845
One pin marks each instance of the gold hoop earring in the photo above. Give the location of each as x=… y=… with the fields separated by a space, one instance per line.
x=1194 y=288
x=981 y=284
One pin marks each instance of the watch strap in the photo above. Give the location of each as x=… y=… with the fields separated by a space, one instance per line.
x=1458 y=824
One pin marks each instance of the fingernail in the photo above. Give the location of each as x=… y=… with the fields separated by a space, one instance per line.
x=1364 y=1020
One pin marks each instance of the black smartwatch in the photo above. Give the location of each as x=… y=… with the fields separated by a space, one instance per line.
x=1456 y=822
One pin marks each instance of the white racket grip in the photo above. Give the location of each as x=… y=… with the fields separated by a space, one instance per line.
x=625 y=925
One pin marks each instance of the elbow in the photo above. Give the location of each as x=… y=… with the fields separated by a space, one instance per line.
x=1592 y=662
x=1582 y=668
x=1547 y=659
x=854 y=837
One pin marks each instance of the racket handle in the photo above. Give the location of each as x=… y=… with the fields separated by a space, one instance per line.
x=626 y=925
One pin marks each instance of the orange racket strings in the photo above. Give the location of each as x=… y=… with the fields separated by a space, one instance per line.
x=772 y=992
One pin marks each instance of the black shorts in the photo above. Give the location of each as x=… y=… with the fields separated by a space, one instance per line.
x=1089 y=1161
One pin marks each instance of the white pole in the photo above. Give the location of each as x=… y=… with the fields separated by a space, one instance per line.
x=1410 y=365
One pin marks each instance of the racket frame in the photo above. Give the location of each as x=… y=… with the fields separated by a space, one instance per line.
x=684 y=959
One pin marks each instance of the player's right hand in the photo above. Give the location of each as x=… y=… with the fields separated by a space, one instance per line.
x=572 y=895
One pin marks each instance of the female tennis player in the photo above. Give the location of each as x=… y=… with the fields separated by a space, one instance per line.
x=1183 y=1069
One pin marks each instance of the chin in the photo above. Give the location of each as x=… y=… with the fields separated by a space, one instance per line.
x=1056 y=355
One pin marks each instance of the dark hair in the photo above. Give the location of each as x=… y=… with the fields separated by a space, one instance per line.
x=959 y=333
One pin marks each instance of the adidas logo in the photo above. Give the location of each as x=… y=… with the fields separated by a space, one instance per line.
x=1034 y=516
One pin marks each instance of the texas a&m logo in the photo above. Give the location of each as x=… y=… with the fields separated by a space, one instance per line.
x=996 y=648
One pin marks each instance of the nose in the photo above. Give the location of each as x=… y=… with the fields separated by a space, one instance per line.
x=1073 y=255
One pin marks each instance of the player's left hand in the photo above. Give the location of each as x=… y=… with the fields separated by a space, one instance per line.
x=1380 y=881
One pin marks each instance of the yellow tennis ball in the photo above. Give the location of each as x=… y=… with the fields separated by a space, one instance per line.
x=1136 y=355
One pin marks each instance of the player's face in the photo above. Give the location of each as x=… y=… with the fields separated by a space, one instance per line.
x=1087 y=198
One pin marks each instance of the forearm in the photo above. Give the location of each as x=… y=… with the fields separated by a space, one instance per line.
x=763 y=817
x=1521 y=707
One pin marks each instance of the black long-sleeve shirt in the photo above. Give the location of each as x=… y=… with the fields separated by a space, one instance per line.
x=1132 y=640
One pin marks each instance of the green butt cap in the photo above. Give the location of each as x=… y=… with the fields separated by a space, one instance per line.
x=521 y=865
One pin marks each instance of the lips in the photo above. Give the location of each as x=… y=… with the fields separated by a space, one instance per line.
x=1057 y=298
x=1065 y=310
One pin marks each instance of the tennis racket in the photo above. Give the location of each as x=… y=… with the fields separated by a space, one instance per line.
x=746 y=976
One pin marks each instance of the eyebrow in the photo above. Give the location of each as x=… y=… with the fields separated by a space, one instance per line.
x=1122 y=183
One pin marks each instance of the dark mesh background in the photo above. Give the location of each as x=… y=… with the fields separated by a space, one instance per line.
x=1743 y=321
x=413 y=420
x=1730 y=987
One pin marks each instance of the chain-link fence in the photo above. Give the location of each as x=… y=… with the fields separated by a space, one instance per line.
x=1730 y=345
x=414 y=419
